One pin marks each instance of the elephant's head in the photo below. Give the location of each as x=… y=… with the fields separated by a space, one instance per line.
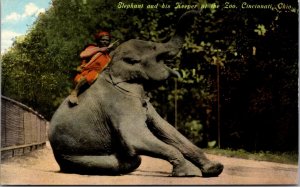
x=138 y=60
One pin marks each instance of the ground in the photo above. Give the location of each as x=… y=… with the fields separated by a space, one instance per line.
x=40 y=168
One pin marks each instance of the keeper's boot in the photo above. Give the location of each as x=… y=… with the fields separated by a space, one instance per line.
x=73 y=96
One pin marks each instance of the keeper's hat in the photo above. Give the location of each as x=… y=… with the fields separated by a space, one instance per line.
x=102 y=33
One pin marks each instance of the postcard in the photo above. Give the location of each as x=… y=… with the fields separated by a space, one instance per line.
x=134 y=92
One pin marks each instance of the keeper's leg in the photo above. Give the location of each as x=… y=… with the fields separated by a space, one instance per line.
x=73 y=96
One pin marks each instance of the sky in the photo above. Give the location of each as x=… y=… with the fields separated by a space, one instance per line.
x=17 y=16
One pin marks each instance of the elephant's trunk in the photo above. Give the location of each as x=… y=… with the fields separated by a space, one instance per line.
x=174 y=45
x=185 y=21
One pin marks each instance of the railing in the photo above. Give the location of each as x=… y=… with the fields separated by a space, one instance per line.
x=22 y=129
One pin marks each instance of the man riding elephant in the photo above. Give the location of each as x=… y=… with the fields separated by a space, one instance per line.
x=95 y=57
x=115 y=122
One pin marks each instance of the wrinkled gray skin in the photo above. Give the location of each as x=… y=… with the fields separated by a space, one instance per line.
x=114 y=122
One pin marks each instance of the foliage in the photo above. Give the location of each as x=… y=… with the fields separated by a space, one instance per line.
x=255 y=50
x=279 y=157
x=194 y=130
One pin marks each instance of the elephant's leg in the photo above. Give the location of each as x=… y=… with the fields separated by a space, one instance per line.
x=141 y=139
x=98 y=165
x=167 y=133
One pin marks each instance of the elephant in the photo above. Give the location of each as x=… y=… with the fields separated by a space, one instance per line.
x=115 y=123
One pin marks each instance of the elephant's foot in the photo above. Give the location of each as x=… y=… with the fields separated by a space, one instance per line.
x=187 y=169
x=73 y=99
x=212 y=169
x=130 y=164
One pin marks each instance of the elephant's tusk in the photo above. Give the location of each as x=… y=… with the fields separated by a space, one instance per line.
x=173 y=72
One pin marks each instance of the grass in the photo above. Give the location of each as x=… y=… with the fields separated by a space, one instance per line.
x=286 y=157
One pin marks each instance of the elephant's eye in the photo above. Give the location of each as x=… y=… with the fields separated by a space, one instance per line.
x=131 y=60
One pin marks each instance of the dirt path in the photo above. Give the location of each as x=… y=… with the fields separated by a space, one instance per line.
x=40 y=168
